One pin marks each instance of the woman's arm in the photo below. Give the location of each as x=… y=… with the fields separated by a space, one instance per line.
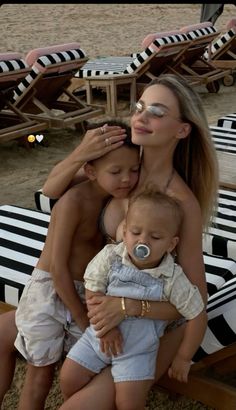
x=189 y=249
x=105 y=312
x=66 y=173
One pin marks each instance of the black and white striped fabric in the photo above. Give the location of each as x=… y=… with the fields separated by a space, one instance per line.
x=46 y=61
x=220 y=240
x=219 y=44
x=22 y=236
x=221 y=328
x=126 y=64
x=43 y=203
x=12 y=65
x=221 y=237
x=195 y=34
x=224 y=139
x=23 y=232
x=228 y=121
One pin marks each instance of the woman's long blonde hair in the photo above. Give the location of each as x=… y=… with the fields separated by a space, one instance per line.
x=195 y=157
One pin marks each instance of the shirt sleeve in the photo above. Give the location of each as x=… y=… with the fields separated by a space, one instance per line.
x=96 y=273
x=184 y=295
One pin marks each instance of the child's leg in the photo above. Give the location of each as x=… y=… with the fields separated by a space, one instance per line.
x=8 y=334
x=132 y=395
x=73 y=377
x=36 y=387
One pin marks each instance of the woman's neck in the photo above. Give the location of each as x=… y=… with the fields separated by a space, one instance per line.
x=157 y=167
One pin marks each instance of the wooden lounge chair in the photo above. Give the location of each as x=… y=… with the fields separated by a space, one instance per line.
x=222 y=52
x=193 y=65
x=14 y=123
x=43 y=94
x=111 y=72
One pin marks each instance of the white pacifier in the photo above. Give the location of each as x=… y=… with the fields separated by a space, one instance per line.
x=141 y=251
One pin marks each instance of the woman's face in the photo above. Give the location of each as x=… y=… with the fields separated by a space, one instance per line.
x=160 y=124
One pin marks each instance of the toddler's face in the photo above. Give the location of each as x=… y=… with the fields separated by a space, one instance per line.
x=150 y=225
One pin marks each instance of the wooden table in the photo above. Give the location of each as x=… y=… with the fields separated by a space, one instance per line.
x=227 y=168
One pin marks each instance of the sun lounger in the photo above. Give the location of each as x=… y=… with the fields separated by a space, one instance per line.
x=111 y=72
x=193 y=65
x=14 y=123
x=223 y=52
x=43 y=93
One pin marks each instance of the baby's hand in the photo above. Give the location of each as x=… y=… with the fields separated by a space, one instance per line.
x=179 y=369
x=111 y=342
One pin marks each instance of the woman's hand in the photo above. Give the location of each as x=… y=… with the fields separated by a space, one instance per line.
x=99 y=141
x=104 y=313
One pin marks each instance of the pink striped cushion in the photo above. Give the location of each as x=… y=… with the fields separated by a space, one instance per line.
x=10 y=56
x=198 y=26
x=33 y=55
x=151 y=37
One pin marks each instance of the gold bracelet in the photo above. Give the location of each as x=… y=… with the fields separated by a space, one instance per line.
x=145 y=308
x=123 y=307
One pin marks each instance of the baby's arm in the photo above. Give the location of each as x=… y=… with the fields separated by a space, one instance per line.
x=111 y=342
x=194 y=333
x=188 y=300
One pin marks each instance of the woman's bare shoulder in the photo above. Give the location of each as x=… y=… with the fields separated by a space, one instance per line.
x=180 y=190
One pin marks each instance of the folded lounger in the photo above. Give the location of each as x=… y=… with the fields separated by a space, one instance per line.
x=111 y=72
x=14 y=123
x=43 y=93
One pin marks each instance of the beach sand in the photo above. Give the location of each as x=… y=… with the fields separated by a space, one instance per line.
x=101 y=30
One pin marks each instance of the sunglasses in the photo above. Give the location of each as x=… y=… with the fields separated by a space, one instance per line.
x=152 y=110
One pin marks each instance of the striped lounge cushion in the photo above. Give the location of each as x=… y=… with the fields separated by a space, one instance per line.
x=228 y=121
x=23 y=232
x=46 y=61
x=220 y=42
x=221 y=237
x=125 y=64
x=200 y=32
x=12 y=65
x=43 y=203
x=221 y=328
x=224 y=139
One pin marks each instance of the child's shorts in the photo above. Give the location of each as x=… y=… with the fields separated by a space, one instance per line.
x=43 y=320
x=138 y=360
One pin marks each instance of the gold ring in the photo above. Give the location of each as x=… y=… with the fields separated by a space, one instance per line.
x=102 y=130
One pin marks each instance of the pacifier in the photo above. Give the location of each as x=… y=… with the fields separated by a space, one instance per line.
x=141 y=251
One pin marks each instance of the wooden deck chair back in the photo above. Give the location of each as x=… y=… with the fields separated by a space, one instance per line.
x=45 y=88
x=14 y=123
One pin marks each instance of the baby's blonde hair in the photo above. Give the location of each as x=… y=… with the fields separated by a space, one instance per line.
x=168 y=204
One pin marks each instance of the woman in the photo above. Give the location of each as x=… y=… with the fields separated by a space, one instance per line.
x=179 y=158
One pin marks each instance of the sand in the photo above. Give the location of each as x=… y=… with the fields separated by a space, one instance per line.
x=101 y=30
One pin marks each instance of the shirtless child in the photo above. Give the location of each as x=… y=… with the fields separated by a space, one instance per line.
x=52 y=303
